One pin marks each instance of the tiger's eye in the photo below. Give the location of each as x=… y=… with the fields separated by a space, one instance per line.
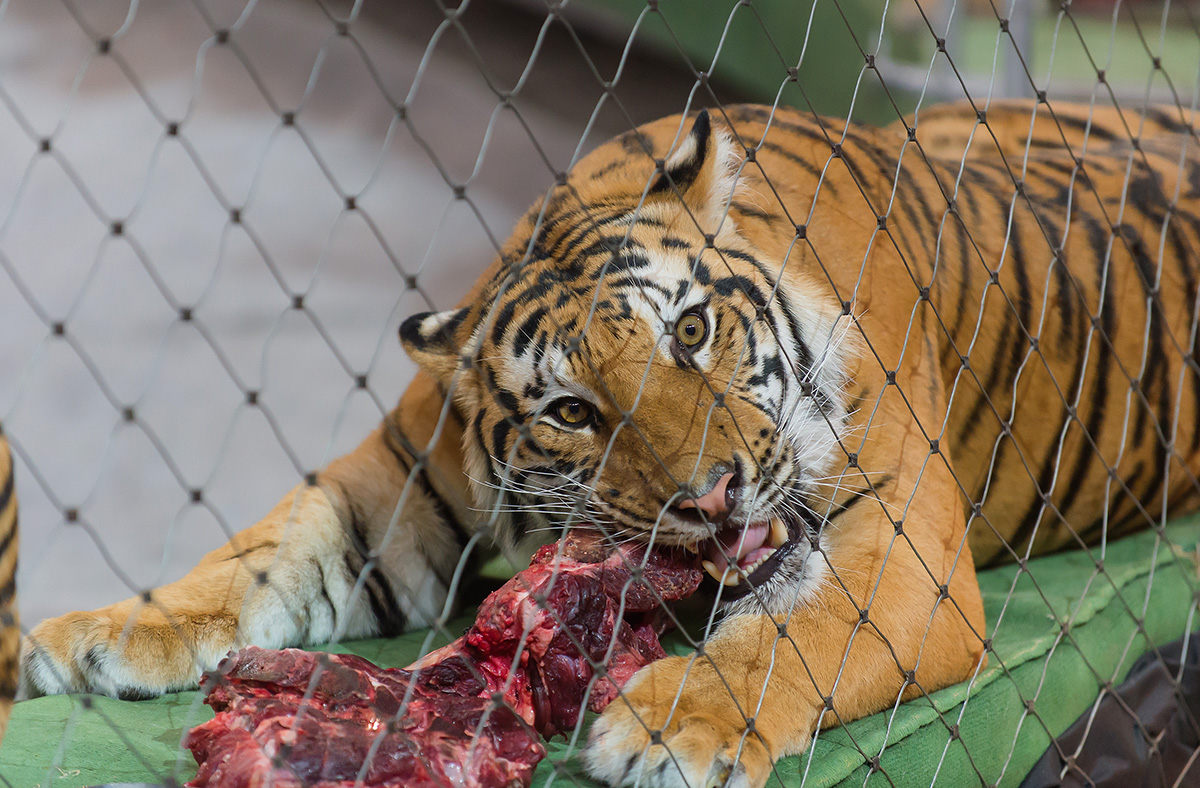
x=572 y=411
x=690 y=329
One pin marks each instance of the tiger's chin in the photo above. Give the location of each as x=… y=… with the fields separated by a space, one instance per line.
x=766 y=565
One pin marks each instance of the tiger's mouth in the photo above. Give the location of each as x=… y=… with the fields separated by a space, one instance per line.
x=743 y=557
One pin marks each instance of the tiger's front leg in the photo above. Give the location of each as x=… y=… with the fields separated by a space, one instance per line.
x=892 y=613
x=327 y=562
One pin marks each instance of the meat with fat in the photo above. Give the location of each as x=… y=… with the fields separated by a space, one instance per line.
x=563 y=634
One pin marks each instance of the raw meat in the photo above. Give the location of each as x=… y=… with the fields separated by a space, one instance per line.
x=467 y=715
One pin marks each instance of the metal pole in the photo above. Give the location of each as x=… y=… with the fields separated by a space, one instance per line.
x=1014 y=82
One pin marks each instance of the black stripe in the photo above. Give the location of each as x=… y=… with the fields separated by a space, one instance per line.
x=683 y=175
x=884 y=162
x=1146 y=194
x=567 y=266
x=1037 y=506
x=9 y=590
x=1020 y=269
x=605 y=170
x=995 y=470
x=391 y=436
x=1171 y=124
x=640 y=284
x=966 y=266
x=1097 y=525
x=7 y=540
x=6 y=493
x=1183 y=259
x=527 y=330
x=970 y=253
x=444 y=511
x=325 y=593
x=928 y=238
x=1045 y=210
x=389 y=619
x=806 y=357
x=357 y=531
x=1067 y=315
x=1099 y=395
x=858 y=496
x=500 y=432
x=387 y=612
x=1095 y=131
x=1155 y=372
x=353 y=563
x=1117 y=523
x=753 y=211
x=972 y=422
x=762 y=269
x=778 y=150
x=1010 y=336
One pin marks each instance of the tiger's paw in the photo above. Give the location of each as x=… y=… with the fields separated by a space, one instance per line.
x=660 y=737
x=102 y=653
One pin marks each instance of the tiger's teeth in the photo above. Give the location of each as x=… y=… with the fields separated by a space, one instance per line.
x=693 y=547
x=750 y=569
x=727 y=578
x=779 y=533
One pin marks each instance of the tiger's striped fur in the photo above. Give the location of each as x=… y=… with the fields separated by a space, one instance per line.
x=10 y=631
x=968 y=329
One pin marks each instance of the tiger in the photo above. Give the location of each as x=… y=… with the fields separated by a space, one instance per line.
x=10 y=624
x=846 y=365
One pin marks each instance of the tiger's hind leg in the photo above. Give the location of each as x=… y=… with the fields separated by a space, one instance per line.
x=10 y=632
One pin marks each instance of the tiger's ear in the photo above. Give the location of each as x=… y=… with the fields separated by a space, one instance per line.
x=431 y=339
x=703 y=171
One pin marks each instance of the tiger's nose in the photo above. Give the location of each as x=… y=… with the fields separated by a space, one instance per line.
x=717 y=503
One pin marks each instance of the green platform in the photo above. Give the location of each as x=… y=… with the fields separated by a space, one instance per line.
x=64 y=742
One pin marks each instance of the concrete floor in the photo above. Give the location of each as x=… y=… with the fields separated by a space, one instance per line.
x=119 y=225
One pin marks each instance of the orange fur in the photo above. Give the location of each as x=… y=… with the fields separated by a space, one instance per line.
x=942 y=333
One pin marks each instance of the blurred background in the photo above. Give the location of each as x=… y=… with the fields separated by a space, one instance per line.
x=214 y=215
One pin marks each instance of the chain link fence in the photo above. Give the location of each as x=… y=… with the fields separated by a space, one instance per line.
x=216 y=215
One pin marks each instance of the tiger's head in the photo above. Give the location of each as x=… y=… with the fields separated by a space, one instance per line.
x=636 y=360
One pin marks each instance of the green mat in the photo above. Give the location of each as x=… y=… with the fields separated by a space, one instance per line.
x=1041 y=677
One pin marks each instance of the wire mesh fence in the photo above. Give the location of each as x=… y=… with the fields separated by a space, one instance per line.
x=962 y=341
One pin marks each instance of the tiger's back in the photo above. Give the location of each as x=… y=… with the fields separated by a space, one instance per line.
x=1084 y=421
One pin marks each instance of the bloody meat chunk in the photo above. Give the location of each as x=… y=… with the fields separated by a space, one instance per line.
x=468 y=714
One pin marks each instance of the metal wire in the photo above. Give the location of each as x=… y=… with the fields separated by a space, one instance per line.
x=884 y=80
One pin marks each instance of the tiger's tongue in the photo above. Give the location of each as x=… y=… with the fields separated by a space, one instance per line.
x=740 y=544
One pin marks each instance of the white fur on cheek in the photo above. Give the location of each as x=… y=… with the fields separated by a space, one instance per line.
x=811 y=427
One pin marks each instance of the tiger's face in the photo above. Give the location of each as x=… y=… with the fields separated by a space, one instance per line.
x=636 y=363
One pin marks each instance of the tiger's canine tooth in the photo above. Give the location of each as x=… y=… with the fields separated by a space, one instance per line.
x=693 y=547
x=779 y=533
x=727 y=578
